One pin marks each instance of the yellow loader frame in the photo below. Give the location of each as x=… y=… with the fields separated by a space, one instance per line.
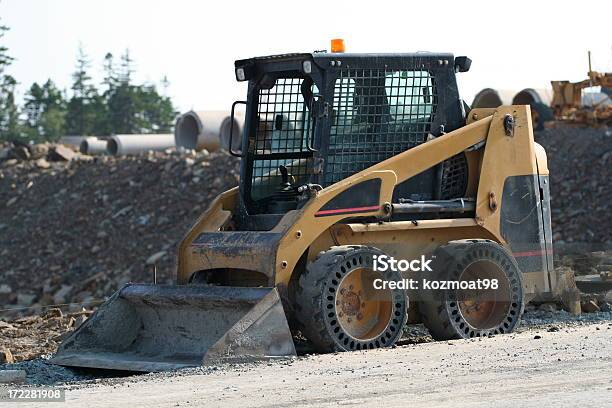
x=506 y=152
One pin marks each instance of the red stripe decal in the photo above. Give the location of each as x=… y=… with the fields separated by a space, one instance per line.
x=532 y=253
x=347 y=210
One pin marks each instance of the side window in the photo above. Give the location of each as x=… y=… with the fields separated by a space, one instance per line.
x=283 y=128
x=282 y=118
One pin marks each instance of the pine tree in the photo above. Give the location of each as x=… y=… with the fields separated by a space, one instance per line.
x=9 y=114
x=123 y=107
x=158 y=113
x=110 y=73
x=127 y=68
x=165 y=83
x=5 y=59
x=45 y=111
x=123 y=99
x=33 y=108
x=82 y=116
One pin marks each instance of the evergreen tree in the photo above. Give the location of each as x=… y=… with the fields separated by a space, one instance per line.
x=82 y=107
x=158 y=111
x=110 y=73
x=127 y=68
x=165 y=83
x=45 y=111
x=9 y=114
x=123 y=100
x=137 y=108
x=101 y=125
x=122 y=107
x=5 y=59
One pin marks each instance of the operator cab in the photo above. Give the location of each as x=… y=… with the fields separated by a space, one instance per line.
x=315 y=119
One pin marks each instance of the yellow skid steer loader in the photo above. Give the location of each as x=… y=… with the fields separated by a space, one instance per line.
x=346 y=160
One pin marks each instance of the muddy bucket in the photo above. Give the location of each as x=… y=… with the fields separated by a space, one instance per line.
x=165 y=327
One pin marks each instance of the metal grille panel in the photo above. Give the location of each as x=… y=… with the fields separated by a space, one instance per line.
x=283 y=127
x=454 y=177
x=377 y=114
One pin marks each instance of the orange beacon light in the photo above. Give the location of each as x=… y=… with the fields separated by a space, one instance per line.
x=337 y=45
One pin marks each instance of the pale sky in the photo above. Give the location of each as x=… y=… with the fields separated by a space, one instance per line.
x=513 y=44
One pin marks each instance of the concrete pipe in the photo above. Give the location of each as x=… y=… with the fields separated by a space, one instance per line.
x=74 y=141
x=492 y=98
x=538 y=99
x=529 y=96
x=200 y=130
x=93 y=145
x=120 y=145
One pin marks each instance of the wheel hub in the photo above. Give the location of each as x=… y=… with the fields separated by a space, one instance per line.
x=484 y=309
x=476 y=310
x=362 y=311
x=350 y=302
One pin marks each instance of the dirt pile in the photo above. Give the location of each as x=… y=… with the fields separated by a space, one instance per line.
x=74 y=231
x=580 y=163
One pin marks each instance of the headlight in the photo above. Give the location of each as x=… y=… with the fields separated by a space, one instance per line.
x=240 y=74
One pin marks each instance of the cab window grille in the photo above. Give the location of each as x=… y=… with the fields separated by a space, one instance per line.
x=281 y=136
x=377 y=114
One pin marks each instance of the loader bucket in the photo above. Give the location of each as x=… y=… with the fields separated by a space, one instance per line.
x=166 y=327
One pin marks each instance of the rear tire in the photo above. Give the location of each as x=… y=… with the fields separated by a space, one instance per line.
x=456 y=314
x=339 y=310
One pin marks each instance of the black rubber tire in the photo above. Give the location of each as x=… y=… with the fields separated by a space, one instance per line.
x=544 y=114
x=316 y=295
x=439 y=310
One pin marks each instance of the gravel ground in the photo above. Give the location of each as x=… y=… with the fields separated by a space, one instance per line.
x=39 y=372
x=567 y=368
x=541 y=318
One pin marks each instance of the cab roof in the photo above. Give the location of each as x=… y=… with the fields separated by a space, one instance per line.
x=328 y=56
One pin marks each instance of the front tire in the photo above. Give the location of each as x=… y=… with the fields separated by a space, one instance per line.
x=338 y=308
